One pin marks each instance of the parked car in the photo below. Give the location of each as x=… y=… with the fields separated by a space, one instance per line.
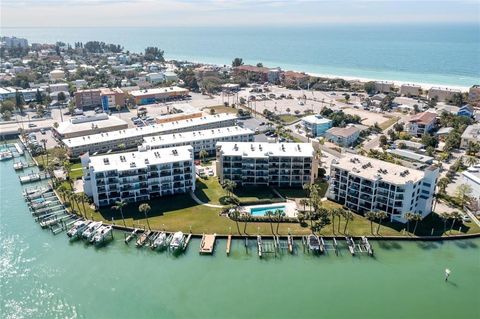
x=32 y=125
x=43 y=131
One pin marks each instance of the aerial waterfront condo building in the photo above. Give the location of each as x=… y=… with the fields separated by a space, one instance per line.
x=421 y=123
x=365 y=184
x=274 y=164
x=138 y=176
x=133 y=137
x=200 y=140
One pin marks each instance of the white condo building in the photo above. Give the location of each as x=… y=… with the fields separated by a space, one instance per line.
x=133 y=137
x=274 y=164
x=138 y=176
x=200 y=140
x=365 y=184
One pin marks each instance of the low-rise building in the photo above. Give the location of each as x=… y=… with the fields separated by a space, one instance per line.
x=89 y=124
x=384 y=86
x=204 y=140
x=365 y=184
x=344 y=136
x=421 y=123
x=410 y=90
x=442 y=94
x=295 y=79
x=470 y=135
x=58 y=87
x=258 y=74
x=111 y=98
x=474 y=95
x=7 y=93
x=88 y=99
x=138 y=176
x=411 y=156
x=471 y=177
x=273 y=164
x=179 y=111
x=410 y=145
x=150 y=96
x=316 y=125
x=133 y=137
x=466 y=110
x=57 y=75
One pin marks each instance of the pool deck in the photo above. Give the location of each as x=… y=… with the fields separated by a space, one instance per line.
x=290 y=208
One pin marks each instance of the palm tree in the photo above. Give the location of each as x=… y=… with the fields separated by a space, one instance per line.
x=442 y=184
x=84 y=198
x=444 y=216
x=408 y=217
x=67 y=166
x=119 y=206
x=44 y=142
x=381 y=215
x=304 y=202
x=245 y=222
x=279 y=214
x=203 y=154
x=339 y=213
x=235 y=215
x=471 y=160
x=270 y=216
x=145 y=208
x=61 y=190
x=416 y=217
x=229 y=186
x=333 y=214
x=348 y=215
x=455 y=216
x=463 y=193
x=371 y=217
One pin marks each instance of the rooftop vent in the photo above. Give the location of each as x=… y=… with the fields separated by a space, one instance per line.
x=106 y=161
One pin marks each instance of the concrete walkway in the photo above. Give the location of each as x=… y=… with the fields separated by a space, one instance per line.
x=199 y=202
x=473 y=217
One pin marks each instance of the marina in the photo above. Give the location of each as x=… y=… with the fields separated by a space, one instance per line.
x=207 y=244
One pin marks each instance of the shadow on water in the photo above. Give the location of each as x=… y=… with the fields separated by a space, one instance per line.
x=389 y=245
x=429 y=244
x=465 y=244
x=451 y=283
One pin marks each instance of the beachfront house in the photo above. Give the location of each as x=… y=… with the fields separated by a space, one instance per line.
x=316 y=125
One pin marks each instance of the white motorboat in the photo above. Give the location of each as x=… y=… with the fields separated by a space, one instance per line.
x=18 y=166
x=160 y=241
x=77 y=228
x=177 y=241
x=41 y=204
x=90 y=230
x=5 y=155
x=101 y=233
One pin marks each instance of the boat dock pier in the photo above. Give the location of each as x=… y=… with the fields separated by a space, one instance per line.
x=331 y=246
x=142 y=240
x=364 y=246
x=290 y=244
x=187 y=241
x=207 y=244
x=33 y=177
x=229 y=243
x=351 y=245
x=266 y=247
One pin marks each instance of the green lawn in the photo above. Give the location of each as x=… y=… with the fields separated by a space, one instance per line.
x=220 y=109
x=288 y=118
x=76 y=171
x=388 y=123
x=253 y=193
x=209 y=190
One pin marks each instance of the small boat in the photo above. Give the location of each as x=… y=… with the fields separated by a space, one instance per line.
x=77 y=228
x=90 y=230
x=41 y=204
x=132 y=234
x=313 y=243
x=177 y=241
x=101 y=234
x=143 y=238
x=350 y=244
x=18 y=166
x=160 y=241
x=5 y=155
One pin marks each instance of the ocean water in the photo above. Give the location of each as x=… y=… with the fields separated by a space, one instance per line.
x=46 y=276
x=438 y=54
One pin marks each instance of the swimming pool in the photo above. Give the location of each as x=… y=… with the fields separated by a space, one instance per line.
x=261 y=211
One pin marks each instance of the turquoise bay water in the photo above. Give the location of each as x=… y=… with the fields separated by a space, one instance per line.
x=439 y=54
x=45 y=276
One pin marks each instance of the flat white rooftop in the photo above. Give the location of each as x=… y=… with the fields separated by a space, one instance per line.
x=316 y=119
x=259 y=150
x=86 y=123
x=146 y=130
x=170 y=89
x=184 y=137
x=135 y=160
x=373 y=169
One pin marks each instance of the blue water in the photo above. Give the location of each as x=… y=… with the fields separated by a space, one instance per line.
x=262 y=211
x=440 y=54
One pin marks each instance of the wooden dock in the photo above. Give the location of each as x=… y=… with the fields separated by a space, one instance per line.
x=290 y=244
x=187 y=241
x=229 y=243
x=207 y=244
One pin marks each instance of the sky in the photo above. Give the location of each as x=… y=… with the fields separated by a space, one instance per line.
x=144 y=13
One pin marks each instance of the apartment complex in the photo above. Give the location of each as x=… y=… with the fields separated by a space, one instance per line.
x=88 y=99
x=138 y=176
x=384 y=86
x=365 y=184
x=470 y=135
x=316 y=125
x=149 y=96
x=89 y=124
x=274 y=164
x=421 y=123
x=133 y=137
x=442 y=94
x=258 y=74
x=110 y=98
x=205 y=140
x=410 y=90
x=471 y=177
